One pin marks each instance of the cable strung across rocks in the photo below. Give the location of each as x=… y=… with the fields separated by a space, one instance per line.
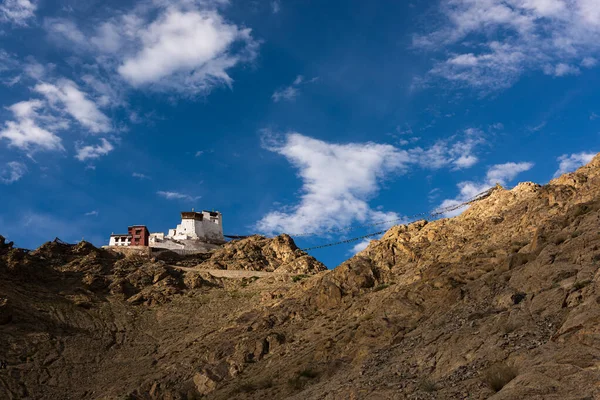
x=414 y=217
x=433 y=213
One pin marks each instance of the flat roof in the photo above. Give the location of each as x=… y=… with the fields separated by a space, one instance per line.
x=124 y=234
x=191 y=215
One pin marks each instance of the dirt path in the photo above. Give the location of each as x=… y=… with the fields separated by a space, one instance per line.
x=223 y=273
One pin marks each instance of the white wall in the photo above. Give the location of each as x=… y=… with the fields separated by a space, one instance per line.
x=208 y=228
x=167 y=244
x=114 y=242
x=212 y=226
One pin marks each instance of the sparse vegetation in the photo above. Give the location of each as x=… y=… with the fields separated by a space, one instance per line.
x=581 y=209
x=581 y=284
x=509 y=327
x=237 y=294
x=297 y=278
x=308 y=373
x=302 y=378
x=381 y=287
x=428 y=386
x=249 y=387
x=560 y=239
x=499 y=375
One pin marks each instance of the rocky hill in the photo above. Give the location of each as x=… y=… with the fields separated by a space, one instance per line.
x=500 y=302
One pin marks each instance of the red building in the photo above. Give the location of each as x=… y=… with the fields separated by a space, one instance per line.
x=139 y=235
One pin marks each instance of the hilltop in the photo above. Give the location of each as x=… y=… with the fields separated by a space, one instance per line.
x=500 y=302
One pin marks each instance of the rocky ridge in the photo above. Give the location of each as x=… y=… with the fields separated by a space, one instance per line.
x=500 y=302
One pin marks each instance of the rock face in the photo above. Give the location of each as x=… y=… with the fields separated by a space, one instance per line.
x=258 y=253
x=500 y=302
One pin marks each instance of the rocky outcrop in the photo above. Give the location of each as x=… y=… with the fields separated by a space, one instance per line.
x=258 y=253
x=5 y=247
x=500 y=302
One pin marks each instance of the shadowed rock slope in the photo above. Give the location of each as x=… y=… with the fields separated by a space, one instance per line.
x=500 y=302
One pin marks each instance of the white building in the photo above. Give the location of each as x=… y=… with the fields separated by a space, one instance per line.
x=197 y=232
x=204 y=226
x=120 y=240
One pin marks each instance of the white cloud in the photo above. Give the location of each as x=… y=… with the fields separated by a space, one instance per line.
x=275 y=6
x=93 y=152
x=17 y=11
x=182 y=46
x=489 y=44
x=338 y=180
x=36 y=122
x=561 y=69
x=93 y=213
x=32 y=129
x=570 y=162
x=466 y=161
x=177 y=196
x=190 y=45
x=13 y=172
x=60 y=29
x=107 y=94
x=9 y=69
x=459 y=154
x=499 y=173
x=360 y=246
x=589 y=62
x=289 y=93
x=66 y=95
x=140 y=176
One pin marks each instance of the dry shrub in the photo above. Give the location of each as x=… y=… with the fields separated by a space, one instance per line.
x=498 y=375
x=427 y=385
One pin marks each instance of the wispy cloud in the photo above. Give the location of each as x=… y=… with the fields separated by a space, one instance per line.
x=489 y=44
x=12 y=172
x=456 y=151
x=177 y=196
x=93 y=213
x=289 y=93
x=499 y=173
x=32 y=129
x=18 y=12
x=570 y=162
x=140 y=176
x=66 y=95
x=91 y=152
x=538 y=127
x=275 y=6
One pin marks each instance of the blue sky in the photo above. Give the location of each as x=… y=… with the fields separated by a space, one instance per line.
x=286 y=116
